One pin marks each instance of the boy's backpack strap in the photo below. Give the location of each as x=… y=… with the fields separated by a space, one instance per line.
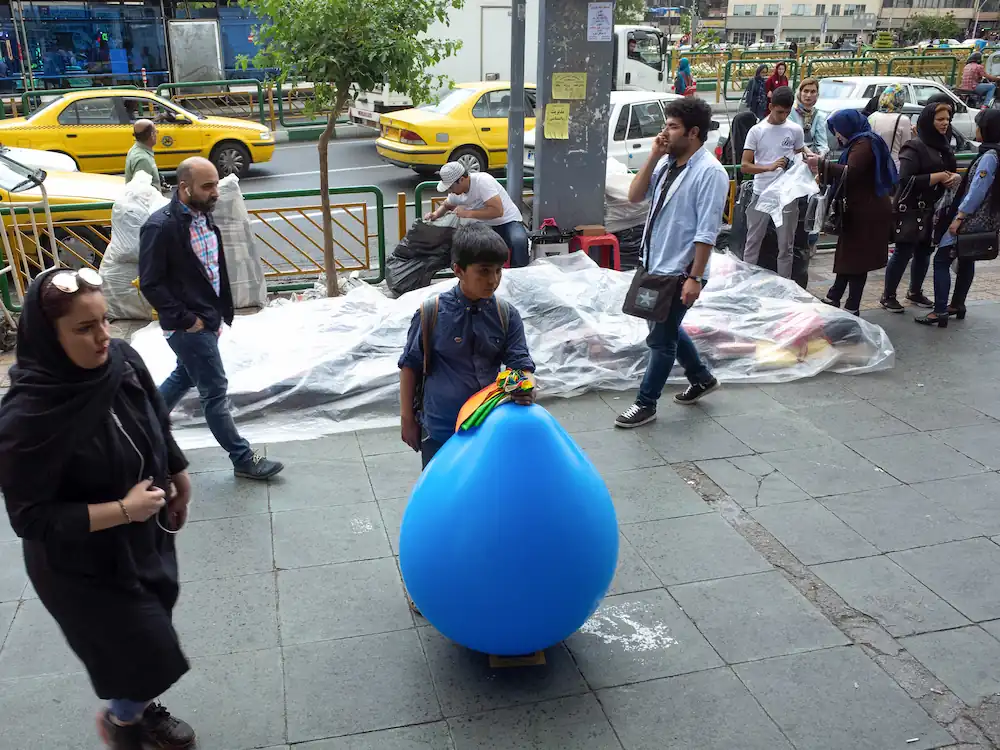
x=428 y=319
x=503 y=311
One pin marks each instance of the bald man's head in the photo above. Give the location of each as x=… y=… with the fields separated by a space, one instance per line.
x=198 y=183
x=145 y=132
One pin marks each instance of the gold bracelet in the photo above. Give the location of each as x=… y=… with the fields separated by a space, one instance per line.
x=128 y=518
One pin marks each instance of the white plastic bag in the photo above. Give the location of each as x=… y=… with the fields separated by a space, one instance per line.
x=796 y=182
x=246 y=274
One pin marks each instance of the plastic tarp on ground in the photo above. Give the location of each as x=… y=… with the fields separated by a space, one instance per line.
x=306 y=369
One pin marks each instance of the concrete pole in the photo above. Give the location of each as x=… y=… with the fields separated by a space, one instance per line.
x=515 y=117
x=570 y=174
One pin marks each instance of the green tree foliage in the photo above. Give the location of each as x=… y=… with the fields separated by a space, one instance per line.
x=921 y=26
x=347 y=46
x=630 y=11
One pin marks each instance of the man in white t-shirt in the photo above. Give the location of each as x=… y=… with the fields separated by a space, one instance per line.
x=479 y=196
x=768 y=151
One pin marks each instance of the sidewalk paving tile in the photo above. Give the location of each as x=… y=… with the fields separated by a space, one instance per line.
x=391 y=474
x=9 y=609
x=967 y=660
x=829 y=470
x=340 y=601
x=586 y=413
x=380 y=441
x=694 y=548
x=576 y=722
x=932 y=411
x=66 y=702
x=837 y=699
x=698 y=440
x=756 y=617
x=13 y=576
x=709 y=710
x=320 y=484
x=333 y=448
x=615 y=449
x=641 y=636
x=391 y=510
x=812 y=533
x=993 y=628
x=218 y=494
x=652 y=494
x=898 y=518
x=962 y=573
x=734 y=400
x=35 y=646
x=234 y=701
x=916 y=457
x=975 y=499
x=632 y=573
x=881 y=589
x=466 y=684
x=225 y=547
x=6 y=532
x=751 y=481
x=979 y=442
x=319 y=536
x=767 y=433
x=433 y=736
x=822 y=390
x=201 y=460
x=854 y=420
x=353 y=685
x=222 y=616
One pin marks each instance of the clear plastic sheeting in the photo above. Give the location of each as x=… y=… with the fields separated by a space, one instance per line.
x=797 y=182
x=246 y=274
x=311 y=368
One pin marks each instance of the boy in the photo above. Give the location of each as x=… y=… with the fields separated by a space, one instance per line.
x=769 y=148
x=471 y=334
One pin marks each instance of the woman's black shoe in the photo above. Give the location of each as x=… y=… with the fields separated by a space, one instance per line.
x=891 y=304
x=830 y=302
x=958 y=312
x=118 y=737
x=932 y=319
x=919 y=299
x=164 y=731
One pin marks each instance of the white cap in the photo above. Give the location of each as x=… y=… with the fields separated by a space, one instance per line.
x=450 y=173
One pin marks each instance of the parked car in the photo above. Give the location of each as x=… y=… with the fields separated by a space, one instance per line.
x=94 y=128
x=467 y=125
x=854 y=92
x=636 y=119
x=47 y=160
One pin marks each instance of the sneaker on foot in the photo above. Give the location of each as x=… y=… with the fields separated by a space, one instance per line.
x=891 y=304
x=693 y=393
x=830 y=302
x=919 y=299
x=258 y=467
x=116 y=736
x=636 y=415
x=163 y=731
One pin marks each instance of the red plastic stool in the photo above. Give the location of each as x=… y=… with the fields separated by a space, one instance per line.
x=608 y=244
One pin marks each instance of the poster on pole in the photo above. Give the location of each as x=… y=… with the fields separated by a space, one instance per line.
x=600 y=22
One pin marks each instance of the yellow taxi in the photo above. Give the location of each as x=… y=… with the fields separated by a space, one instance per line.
x=467 y=125
x=94 y=128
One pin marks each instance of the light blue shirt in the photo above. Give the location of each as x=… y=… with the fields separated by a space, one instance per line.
x=692 y=213
x=982 y=181
x=819 y=138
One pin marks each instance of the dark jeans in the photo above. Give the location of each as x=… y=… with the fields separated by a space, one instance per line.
x=854 y=284
x=199 y=365
x=921 y=255
x=942 y=280
x=516 y=237
x=428 y=449
x=667 y=341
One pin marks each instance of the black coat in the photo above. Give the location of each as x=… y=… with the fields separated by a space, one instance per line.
x=173 y=278
x=112 y=591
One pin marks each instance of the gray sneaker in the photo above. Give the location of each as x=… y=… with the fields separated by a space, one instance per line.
x=258 y=467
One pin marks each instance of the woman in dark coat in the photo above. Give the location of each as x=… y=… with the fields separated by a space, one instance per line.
x=868 y=176
x=778 y=79
x=756 y=95
x=86 y=455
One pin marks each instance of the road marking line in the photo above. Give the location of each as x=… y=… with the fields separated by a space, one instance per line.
x=316 y=171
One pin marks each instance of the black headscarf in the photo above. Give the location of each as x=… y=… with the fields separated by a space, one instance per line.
x=931 y=138
x=988 y=121
x=52 y=404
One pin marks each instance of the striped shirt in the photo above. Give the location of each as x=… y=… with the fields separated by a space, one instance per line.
x=205 y=244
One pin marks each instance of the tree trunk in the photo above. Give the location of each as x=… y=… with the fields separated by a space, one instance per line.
x=329 y=261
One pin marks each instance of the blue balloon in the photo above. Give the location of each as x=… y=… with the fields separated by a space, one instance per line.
x=510 y=540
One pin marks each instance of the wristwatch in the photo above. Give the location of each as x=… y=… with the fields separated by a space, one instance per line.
x=699 y=279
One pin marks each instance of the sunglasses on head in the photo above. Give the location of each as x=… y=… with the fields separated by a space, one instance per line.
x=69 y=281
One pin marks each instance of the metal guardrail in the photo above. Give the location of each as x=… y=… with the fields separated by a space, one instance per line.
x=223 y=102
x=943 y=66
x=291 y=103
x=737 y=83
x=841 y=66
x=418 y=193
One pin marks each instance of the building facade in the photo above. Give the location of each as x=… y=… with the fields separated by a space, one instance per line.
x=750 y=21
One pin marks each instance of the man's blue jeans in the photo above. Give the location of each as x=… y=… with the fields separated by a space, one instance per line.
x=516 y=237
x=199 y=365
x=667 y=341
x=987 y=91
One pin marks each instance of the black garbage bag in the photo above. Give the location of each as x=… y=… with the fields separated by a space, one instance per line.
x=630 y=246
x=425 y=250
x=769 y=247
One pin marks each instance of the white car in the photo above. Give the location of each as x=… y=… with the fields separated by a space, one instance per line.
x=636 y=119
x=854 y=92
x=49 y=161
x=941 y=43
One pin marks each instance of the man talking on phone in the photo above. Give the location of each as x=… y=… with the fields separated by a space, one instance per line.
x=182 y=273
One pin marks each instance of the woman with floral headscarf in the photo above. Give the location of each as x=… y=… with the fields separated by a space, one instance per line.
x=684 y=79
x=890 y=122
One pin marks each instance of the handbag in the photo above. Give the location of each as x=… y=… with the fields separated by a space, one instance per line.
x=836 y=202
x=911 y=224
x=977 y=246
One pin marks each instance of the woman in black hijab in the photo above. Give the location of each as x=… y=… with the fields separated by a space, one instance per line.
x=85 y=456
x=927 y=167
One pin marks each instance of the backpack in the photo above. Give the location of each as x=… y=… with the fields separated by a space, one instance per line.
x=428 y=319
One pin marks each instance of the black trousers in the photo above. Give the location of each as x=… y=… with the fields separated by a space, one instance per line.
x=854 y=284
x=428 y=449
